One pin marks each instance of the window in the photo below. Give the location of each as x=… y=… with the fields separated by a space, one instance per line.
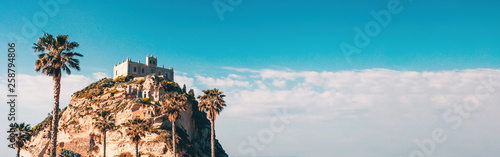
x=135 y=69
x=116 y=72
x=151 y=70
x=142 y=70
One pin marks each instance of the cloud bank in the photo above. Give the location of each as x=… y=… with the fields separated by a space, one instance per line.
x=371 y=112
x=357 y=111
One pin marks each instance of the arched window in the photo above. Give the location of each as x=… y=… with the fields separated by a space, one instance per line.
x=135 y=69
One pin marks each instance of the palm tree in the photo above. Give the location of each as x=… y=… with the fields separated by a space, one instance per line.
x=22 y=133
x=104 y=121
x=56 y=55
x=175 y=104
x=91 y=143
x=212 y=102
x=137 y=128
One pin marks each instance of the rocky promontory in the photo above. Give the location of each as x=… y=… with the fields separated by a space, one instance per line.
x=126 y=98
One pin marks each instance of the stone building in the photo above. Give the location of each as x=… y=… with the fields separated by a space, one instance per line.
x=138 y=69
x=152 y=92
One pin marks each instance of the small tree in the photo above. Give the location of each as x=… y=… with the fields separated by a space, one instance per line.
x=191 y=93
x=91 y=143
x=137 y=129
x=175 y=103
x=212 y=102
x=104 y=121
x=184 y=88
x=22 y=133
x=69 y=153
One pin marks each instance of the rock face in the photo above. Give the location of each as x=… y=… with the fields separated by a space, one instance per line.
x=78 y=134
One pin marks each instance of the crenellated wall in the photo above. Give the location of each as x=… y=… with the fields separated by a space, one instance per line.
x=138 y=69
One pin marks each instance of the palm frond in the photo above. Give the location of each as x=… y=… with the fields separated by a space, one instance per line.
x=56 y=55
x=212 y=102
x=173 y=105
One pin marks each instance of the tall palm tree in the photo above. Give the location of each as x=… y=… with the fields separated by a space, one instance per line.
x=137 y=129
x=175 y=104
x=56 y=55
x=22 y=133
x=212 y=102
x=104 y=121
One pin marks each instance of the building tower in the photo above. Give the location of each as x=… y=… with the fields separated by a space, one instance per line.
x=151 y=61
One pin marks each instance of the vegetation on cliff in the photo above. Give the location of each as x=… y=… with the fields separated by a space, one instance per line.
x=81 y=121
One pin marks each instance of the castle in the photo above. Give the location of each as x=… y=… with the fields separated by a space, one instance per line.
x=137 y=69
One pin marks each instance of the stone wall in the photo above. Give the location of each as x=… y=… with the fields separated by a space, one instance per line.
x=138 y=69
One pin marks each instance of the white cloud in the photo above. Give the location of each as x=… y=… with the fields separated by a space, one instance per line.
x=240 y=69
x=99 y=75
x=343 y=109
x=279 y=83
x=325 y=95
x=235 y=76
x=221 y=82
x=181 y=80
x=35 y=95
x=364 y=88
x=184 y=80
x=373 y=105
x=36 y=91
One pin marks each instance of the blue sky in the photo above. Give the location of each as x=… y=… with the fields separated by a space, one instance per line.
x=278 y=48
x=303 y=35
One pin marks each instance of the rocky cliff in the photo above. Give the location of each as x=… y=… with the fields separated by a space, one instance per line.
x=124 y=98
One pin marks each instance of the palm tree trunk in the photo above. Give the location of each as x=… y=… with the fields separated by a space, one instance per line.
x=137 y=149
x=173 y=138
x=91 y=144
x=104 y=155
x=55 y=118
x=213 y=138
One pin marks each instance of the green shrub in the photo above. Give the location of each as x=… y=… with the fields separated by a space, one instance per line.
x=69 y=153
x=140 y=81
x=126 y=154
x=95 y=101
x=171 y=86
x=113 y=91
x=120 y=79
x=97 y=92
x=123 y=78
x=89 y=91
x=142 y=100
x=106 y=82
x=47 y=122
x=73 y=122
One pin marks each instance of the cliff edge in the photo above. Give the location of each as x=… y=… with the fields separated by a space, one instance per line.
x=126 y=98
